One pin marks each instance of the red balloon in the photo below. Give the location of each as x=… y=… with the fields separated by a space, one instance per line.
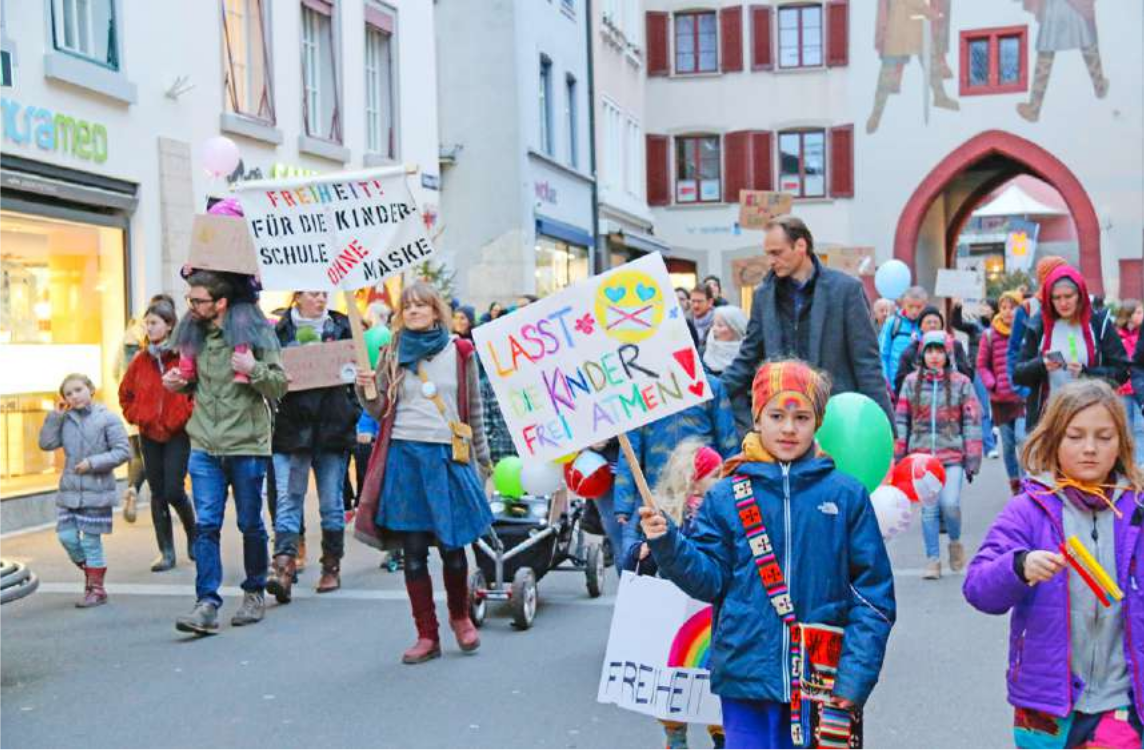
x=589 y=476
x=919 y=475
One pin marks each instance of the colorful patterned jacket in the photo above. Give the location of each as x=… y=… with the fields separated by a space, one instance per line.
x=927 y=423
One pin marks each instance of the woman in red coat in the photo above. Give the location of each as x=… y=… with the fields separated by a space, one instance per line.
x=993 y=368
x=161 y=417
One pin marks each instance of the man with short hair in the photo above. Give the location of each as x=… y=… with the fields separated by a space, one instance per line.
x=230 y=431
x=702 y=313
x=805 y=310
x=901 y=330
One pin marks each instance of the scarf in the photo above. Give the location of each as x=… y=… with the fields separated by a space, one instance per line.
x=703 y=323
x=1000 y=327
x=414 y=346
x=754 y=452
x=720 y=354
x=1084 y=497
x=317 y=325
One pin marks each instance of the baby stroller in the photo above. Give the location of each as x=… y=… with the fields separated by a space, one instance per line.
x=528 y=538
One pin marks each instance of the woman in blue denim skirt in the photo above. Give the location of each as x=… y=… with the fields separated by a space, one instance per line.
x=427 y=467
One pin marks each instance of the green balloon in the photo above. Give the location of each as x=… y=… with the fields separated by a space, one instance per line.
x=857 y=435
x=375 y=339
x=506 y=477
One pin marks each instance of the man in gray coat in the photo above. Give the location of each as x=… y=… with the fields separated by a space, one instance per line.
x=811 y=312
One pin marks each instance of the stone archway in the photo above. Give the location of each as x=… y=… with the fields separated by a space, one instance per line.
x=1018 y=156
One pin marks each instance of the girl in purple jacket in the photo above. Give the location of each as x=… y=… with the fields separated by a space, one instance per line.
x=1076 y=668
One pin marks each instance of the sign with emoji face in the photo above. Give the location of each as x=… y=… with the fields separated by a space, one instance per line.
x=602 y=357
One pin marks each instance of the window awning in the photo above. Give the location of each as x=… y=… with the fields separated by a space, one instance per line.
x=559 y=230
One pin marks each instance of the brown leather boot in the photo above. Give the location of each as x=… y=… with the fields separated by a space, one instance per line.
x=331 y=579
x=94 y=593
x=300 y=559
x=457 y=595
x=428 y=645
x=280 y=584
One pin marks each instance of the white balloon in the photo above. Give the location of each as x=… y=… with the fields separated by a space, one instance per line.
x=541 y=478
x=892 y=279
x=893 y=510
x=219 y=156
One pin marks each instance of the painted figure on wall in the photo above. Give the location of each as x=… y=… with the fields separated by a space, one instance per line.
x=899 y=34
x=1064 y=25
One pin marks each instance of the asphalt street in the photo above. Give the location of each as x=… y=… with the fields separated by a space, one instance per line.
x=324 y=671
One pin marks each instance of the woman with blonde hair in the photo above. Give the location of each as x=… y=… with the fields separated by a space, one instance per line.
x=423 y=488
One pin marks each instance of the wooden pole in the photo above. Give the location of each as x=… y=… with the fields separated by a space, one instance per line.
x=637 y=472
x=358 y=329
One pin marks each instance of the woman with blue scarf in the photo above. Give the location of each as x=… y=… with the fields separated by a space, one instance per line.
x=425 y=473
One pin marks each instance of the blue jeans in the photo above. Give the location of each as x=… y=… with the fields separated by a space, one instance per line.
x=988 y=439
x=292 y=479
x=612 y=528
x=211 y=477
x=1136 y=426
x=83 y=547
x=754 y=723
x=1009 y=448
x=948 y=505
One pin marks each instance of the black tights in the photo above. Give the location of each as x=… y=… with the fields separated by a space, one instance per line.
x=416 y=545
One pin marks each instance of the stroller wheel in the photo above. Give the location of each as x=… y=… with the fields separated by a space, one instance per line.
x=595 y=570
x=523 y=598
x=478 y=604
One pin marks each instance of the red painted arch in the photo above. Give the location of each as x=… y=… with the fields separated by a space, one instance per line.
x=1035 y=161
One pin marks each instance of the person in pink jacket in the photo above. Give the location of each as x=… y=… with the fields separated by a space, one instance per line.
x=993 y=367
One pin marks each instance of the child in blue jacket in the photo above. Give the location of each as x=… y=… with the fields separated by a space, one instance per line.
x=788 y=550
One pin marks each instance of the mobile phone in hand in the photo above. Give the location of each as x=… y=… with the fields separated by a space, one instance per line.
x=1056 y=357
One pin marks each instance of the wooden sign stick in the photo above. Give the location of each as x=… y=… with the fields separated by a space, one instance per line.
x=358 y=329
x=637 y=472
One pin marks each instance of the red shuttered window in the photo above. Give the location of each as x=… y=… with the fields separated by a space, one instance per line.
x=658 y=170
x=658 y=59
x=697 y=169
x=731 y=38
x=837 y=33
x=842 y=161
x=746 y=163
x=762 y=47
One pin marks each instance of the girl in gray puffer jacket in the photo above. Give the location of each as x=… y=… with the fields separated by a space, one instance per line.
x=94 y=442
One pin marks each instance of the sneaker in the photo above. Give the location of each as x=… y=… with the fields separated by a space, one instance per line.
x=933 y=570
x=202 y=620
x=956 y=556
x=994 y=453
x=252 y=609
x=130 y=498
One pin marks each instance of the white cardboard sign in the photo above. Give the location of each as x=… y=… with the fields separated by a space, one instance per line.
x=602 y=357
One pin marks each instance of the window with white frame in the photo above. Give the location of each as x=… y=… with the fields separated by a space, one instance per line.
x=320 y=97
x=802 y=163
x=570 y=115
x=246 y=59
x=800 y=36
x=612 y=159
x=698 y=169
x=379 y=83
x=545 y=101
x=87 y=29
x=633 y=153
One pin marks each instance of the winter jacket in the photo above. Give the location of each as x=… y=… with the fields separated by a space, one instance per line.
x=159 y=413
x=909 y=361
x=841 y=340
x=898 y=332
x=826 y=539
x=1106 y=356
x=233 y=419
x=95 y=435
x=1130 y=340
x=951 y=430
x=710 y=422
x=993 y=369
x=318 y=419
x=1016 y=340
x=1138 y=373
x=1039 y=675
x=973 y=328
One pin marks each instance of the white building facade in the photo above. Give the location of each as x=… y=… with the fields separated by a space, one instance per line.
x=517 y=183
x=105 y=110
x=891 y=121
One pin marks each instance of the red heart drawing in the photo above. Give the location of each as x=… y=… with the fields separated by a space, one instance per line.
x=696 y=388
x=686 y=358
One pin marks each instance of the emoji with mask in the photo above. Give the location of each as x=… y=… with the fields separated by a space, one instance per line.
x=629 y=306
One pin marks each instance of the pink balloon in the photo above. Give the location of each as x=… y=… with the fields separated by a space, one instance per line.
x=219 y=156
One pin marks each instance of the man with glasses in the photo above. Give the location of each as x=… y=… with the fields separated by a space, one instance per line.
x=230 y=431
x=805 y=310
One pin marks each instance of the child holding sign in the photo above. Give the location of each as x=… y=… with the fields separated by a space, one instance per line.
x=788 y=550
x=1075 y=649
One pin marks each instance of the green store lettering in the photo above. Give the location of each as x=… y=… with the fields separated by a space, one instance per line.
x=54 y=132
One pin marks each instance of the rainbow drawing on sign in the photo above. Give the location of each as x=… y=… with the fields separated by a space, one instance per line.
x=691 y=645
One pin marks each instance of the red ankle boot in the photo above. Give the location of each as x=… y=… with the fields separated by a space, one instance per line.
x=428 y=645
x=457 y=594
x=94 y=593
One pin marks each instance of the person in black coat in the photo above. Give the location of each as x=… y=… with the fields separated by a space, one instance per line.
x=816 y=314
x=1091 y=348
x=313 y=429
x=930 y=319
x=1138 y=374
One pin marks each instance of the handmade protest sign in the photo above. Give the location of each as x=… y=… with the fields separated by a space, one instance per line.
x=338 y=231
x=657 y=658
x=966 y=284
x=320 y=365
x=604 y=356
x=221 y=243
x=757 y=207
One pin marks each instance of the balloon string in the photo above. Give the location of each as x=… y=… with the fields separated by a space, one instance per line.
x=1096 y=490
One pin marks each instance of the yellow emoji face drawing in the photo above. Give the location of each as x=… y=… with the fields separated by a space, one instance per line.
x=629 y=306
